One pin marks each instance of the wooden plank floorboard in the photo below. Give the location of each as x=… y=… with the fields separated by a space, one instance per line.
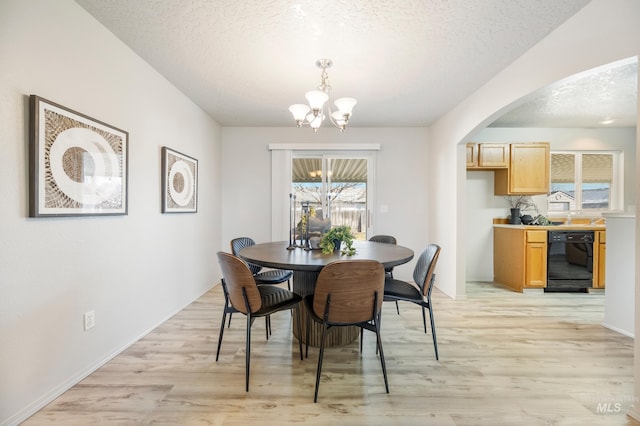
x=505 y=359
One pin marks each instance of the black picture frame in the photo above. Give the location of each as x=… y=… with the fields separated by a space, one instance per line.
x=179 y=182
x=78 y=166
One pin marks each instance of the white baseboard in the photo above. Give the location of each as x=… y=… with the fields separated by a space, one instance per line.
x=619 y=330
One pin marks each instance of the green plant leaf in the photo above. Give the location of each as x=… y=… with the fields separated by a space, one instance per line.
x=341 y=233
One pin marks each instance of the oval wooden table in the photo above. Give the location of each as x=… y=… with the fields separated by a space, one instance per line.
x=306 y=266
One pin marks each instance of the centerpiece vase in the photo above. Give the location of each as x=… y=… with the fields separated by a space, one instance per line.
x=515 y=217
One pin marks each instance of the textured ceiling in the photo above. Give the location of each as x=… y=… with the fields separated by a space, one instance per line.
x=406 y=61
x=605 y=96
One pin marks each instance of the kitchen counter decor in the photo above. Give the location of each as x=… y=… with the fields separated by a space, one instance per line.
x=519 y=204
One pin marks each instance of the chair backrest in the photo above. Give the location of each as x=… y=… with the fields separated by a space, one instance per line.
x=423 y=273
x=238 y=244
x=237 y=276
x=387 y=239
x=352 y=286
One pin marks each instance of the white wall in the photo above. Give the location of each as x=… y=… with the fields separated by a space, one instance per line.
x=482 y=205
x=620 y=273
x=401 y=180
x=134 y=271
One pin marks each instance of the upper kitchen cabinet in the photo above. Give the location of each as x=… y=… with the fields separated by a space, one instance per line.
x=528 y=170
x=487 y=156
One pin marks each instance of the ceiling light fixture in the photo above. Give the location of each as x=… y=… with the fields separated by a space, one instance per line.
x=317 y=99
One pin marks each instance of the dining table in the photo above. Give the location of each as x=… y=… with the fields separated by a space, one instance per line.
x=306 y=265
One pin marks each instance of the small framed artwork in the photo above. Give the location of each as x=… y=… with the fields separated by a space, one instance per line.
x=179 y=182
x=78 y=166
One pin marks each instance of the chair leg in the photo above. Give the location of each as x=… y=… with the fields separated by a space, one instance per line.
x=433 y=332
x=319 y=372
x=224 y=315
x=379 y=325
x=397 y=307
x=248 y=352
x=297 y=309
x=361 y=337
x=226 y=300
x=308 y=333
x=424 y=320
x=379 y=345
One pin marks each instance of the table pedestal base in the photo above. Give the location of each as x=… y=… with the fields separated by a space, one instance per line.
x=304 y=284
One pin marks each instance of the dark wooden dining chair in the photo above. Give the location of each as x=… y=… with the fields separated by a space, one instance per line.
x=252 y=300
x=420 y=293
x=262 y=276
x=347 y=293
x=387 y=239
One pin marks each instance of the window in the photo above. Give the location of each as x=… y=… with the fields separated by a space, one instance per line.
x=334 y=188
x=584 y=181
x=283 y=177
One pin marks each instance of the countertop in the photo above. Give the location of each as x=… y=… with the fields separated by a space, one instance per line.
x=621 y=215
x=570 y=227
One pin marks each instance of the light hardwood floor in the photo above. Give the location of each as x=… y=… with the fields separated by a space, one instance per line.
x=505 y=359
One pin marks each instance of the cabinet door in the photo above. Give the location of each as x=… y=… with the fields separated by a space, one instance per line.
x=528 y=171
x=535 y=265
x=493 y=155
x=602 y=251
x=472 y=155
x=529 y=166
x=599 y=257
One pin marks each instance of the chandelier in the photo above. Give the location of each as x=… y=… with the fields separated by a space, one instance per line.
x=313 y=114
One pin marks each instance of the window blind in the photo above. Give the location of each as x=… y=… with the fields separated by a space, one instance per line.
x=563 y=168
x=597 y=168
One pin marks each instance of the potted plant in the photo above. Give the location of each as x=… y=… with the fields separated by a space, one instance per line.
x=332 y=239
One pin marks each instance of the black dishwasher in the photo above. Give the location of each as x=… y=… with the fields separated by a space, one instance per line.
x=569 y=261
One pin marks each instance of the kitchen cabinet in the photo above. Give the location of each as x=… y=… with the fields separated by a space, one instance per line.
x=528 y=171
x=487 y=156
x=599 y=257
x=535 y=264
x=472 y=156
x=520 y=257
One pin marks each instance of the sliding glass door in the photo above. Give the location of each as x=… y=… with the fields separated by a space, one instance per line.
x=335 y=187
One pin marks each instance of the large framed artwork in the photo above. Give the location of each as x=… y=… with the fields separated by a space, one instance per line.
x=78 y=166
x=179 y=182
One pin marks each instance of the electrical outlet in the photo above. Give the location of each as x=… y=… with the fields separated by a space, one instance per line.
x=89 y=320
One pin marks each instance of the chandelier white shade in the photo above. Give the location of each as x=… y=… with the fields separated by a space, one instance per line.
x=313 y=114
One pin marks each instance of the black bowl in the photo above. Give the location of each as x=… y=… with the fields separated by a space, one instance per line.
x=526 y=219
